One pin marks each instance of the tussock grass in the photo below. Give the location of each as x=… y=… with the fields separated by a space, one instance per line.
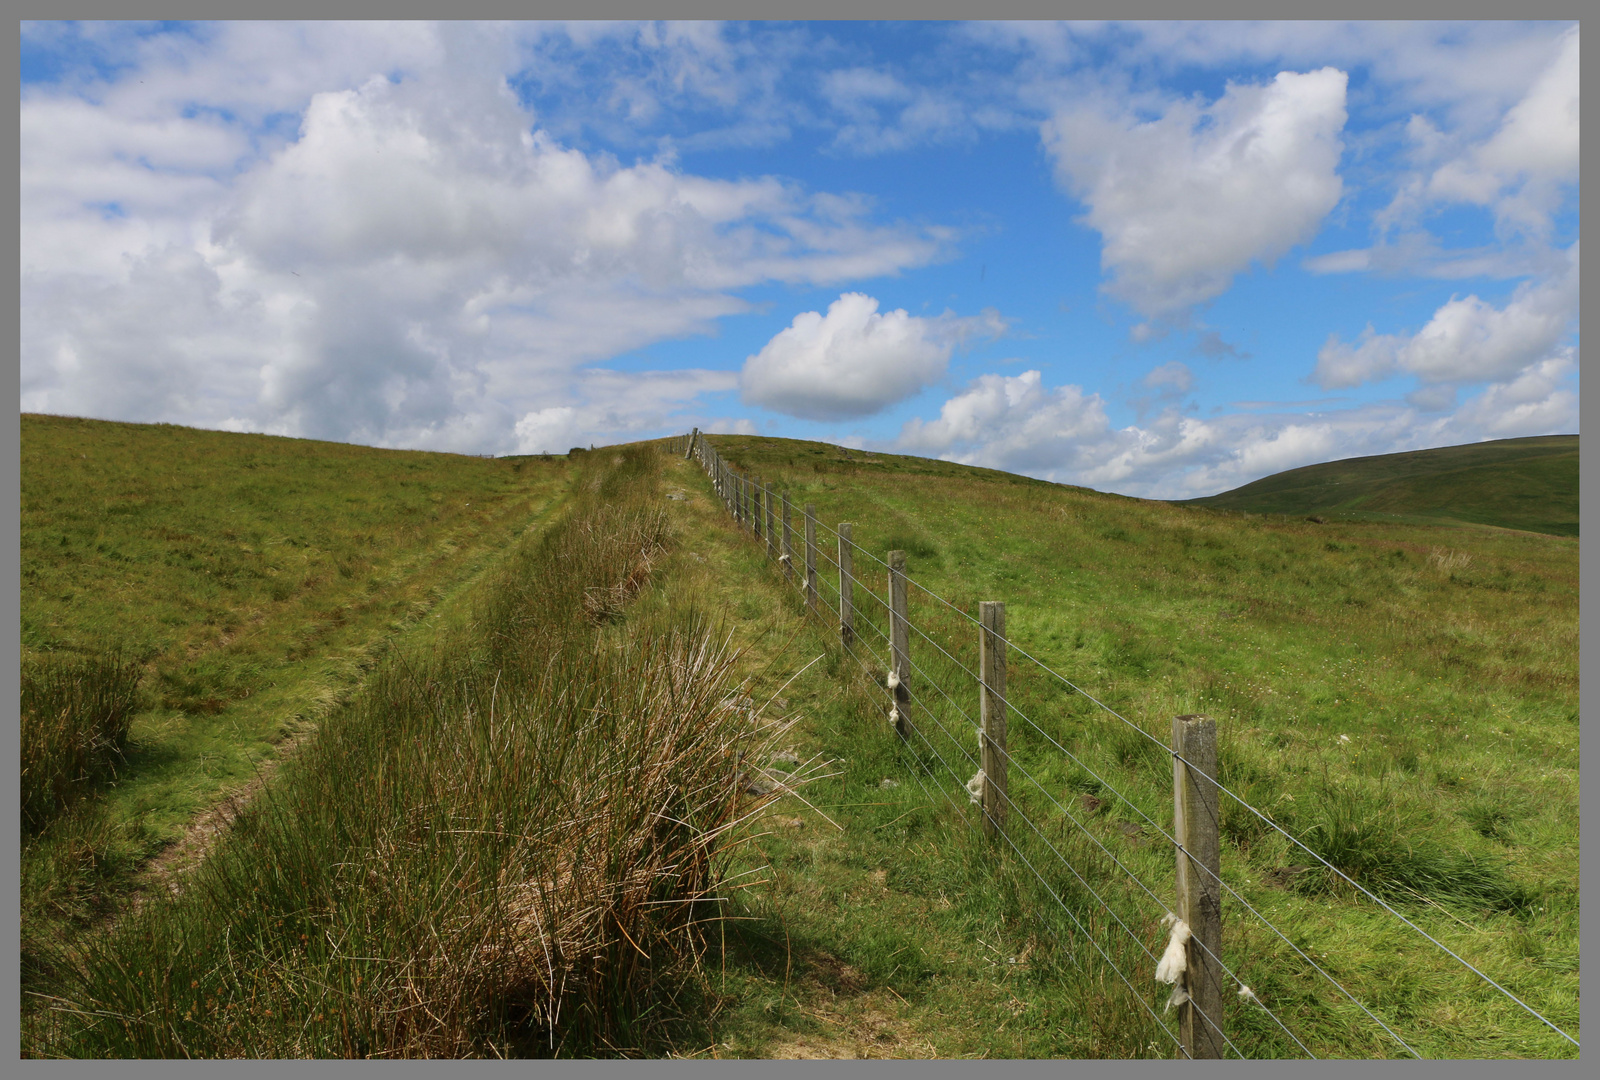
x=508 y=846
x=76 y=712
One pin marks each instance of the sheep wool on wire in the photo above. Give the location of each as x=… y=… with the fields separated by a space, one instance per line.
x=975 y=788
x=1176 y=959
x=893 y=680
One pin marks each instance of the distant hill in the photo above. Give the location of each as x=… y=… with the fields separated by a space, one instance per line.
x=1529 y=484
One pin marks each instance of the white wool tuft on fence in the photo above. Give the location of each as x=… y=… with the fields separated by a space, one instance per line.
x=975 y=788
x=893 y=680
x=1176 y=959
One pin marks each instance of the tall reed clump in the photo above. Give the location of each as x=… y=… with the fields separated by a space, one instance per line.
x=509 y=847
x=75 y=717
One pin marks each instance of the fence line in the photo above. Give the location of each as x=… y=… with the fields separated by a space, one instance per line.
x=727 y=481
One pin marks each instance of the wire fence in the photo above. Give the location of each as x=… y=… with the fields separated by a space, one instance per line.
x=927 y=687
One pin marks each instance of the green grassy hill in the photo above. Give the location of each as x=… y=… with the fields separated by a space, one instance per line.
x=1529 y=484
x=1403 y=695
x=251 y=582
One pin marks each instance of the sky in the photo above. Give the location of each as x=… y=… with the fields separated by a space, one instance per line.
x=1161 y=259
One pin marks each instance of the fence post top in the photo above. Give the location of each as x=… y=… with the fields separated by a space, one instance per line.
x=897 y=560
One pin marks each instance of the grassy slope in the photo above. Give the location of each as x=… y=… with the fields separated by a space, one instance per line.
x=1451 y=670
x=1527 y=484
x=256 y=577
x=506 y=824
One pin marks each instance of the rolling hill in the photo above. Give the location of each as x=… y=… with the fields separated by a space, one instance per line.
x=1528 y=484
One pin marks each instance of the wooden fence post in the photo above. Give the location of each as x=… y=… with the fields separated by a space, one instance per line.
x=811 y=557
x=693 y=435
x=847 y=586
x=772 y=538
x=787 y=556
x=900 y=643
x=755 y=507
x=1195 y=825
x=992 y=711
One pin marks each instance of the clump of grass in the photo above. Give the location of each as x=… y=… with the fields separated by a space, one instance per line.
x=915 y=547
x=510 y=847
x=1389 y=852
x=75 y=717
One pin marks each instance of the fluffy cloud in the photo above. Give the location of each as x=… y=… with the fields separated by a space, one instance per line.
x=854 y=361
x=1521 y=168
x=1190 y=199
x=413 y=264
x=1467 y=340
x=1064 y=434
x=1016 y=421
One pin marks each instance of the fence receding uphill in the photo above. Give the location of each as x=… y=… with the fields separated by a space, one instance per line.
x=1189 y=991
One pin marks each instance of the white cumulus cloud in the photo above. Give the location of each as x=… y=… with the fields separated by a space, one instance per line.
x=1188 y=200
x=1521 y=168
x=408 y=260
x=855 y=360
x=1466 y=340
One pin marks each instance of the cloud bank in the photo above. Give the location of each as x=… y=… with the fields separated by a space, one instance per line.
x=415 y=264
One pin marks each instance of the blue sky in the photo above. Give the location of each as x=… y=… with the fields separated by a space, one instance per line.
x=1162 y=259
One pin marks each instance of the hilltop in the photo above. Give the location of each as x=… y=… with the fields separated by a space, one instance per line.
x=1528 y=484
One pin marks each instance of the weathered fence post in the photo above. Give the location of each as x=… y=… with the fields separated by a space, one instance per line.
x=787 y=557
x=992 y=712
x=772 y=538
x=755 y=506
x=811 y=557
x=847 y=586
x=740 y=515
x=899 y=643
x=693 y=435
x=1195 y=824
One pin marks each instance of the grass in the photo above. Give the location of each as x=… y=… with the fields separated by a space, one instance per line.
x=1402 y=697
x=1529 y=484
x=1445 y=657
x=75 y=716
x=506 y=845
x=251 y=583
